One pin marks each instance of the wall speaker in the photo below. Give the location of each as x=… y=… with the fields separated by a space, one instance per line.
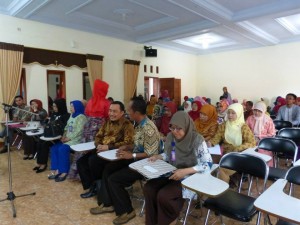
x=151 y=52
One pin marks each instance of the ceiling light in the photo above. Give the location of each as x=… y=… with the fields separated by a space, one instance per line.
x=288 y=24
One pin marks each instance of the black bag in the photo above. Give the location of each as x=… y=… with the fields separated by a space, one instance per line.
x=53 y=129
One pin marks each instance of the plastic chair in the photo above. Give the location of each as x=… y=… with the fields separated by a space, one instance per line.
x=292 y=176
x=292 y=133
x=277 y=145
x=279 y=124
x=231 y=203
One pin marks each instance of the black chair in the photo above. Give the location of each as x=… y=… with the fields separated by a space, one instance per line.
x=231 y=203
x=292 y=133
x=279 y=124
x=293 y=177
x=277 y=145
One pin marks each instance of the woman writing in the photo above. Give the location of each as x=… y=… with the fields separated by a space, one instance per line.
x=234 y=135
x=187 y=151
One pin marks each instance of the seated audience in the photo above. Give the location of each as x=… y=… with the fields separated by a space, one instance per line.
x=113 y=196
x=150 y=107
x=19 y=115
x=187 y=151
x=158 y=112
x=278 y=104
x=261 y=125
x=96 y=112
x=169 y=109
x=60 y=113
x=248 y=110
x=29 y=143
x=115 y=132
x=227 y=95
x=207 y=123
x=194 y=113
x=60 y=152
x=233 y=136
x=290 y=112
x=187 y=107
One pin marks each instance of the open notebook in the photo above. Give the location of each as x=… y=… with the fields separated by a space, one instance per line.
x=152 y=169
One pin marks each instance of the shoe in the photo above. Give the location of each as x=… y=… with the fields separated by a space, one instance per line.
x=53 y=176
x=39 y=170
x=3 y=150
x=88 y=194
x=60 y=179
x=124 y=218
x=25 y=157
x=36 y=168
x=30 y=157
x=101 y=209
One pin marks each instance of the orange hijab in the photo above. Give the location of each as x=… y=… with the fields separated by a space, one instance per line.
x=211 y=112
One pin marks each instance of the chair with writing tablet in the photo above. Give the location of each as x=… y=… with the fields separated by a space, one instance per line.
x=293 y=177
x=292 y=133
x=282 y=146
x=279 y=124
x=231 y=203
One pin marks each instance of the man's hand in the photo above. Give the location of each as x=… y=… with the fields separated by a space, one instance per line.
x=179 y=174
x=121 y=154
x=154 y=158
x=102 y=148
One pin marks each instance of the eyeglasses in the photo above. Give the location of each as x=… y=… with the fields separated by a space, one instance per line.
x=175 y=128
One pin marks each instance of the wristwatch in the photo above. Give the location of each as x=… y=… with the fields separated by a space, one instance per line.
x=134 y=156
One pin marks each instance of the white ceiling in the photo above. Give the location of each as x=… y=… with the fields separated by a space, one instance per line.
x=177 y=24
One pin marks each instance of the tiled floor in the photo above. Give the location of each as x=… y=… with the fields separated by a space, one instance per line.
x=55 y=203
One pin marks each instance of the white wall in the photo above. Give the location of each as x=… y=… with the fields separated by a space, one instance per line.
x=38 y=35
x=251 y=74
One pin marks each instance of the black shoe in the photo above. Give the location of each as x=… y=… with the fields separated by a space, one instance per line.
x=36 y=168
x=25 y=157
x=39 y=170
x=88 y=194
x=3 y=150
x=60 y=179
x=53 y=176
x=30 y=157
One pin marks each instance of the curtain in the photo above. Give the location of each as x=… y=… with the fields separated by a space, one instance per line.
x=131 y=72
x=94 y=65
x=11 y=60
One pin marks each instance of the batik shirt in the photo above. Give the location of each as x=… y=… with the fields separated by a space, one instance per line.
x=146 y=138
x=115 y=133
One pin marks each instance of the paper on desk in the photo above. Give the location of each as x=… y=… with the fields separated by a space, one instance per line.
x=109 y=155
x=216 y=150
x=83 y=146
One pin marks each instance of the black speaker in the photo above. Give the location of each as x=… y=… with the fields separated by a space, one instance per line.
x=151 y=52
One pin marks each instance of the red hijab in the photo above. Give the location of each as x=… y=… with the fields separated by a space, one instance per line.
x=280 y=102
x=165 y=120
x=38 y=102
x=195 y=114
x=98 y=105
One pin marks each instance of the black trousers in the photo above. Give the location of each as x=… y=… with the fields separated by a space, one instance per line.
x=90 y=168
x=43 y=148
x=29 y=145
x=115 y=183
x=163 y=201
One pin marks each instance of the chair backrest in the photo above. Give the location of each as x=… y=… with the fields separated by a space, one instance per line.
x=279 y=124
x=292 y=133
x=247 y=164
x=293 y=175
x=279 y=145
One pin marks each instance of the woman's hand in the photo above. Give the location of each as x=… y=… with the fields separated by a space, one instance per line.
x=179 y=174
x=121 y=154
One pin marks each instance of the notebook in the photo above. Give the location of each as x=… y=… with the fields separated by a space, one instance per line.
x=152 y=170
x=109 y=155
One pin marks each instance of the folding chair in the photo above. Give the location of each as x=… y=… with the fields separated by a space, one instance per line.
x=282 y=146
x=231 y=203
x=292 y=133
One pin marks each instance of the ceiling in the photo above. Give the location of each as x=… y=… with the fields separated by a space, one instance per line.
x=194 y=26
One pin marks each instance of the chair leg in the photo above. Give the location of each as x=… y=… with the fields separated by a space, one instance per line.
x=207 y=215
x=142 y=209
x=221 y=219
x=258 y=218
x=188 y=209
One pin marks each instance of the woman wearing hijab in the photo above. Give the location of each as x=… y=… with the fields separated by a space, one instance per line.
x=207 y=123
x=261 y=125
x=279 y=102
x=187 y=106
x=60 y=152
x=96 y=112
x=169 y=109
x=234 y=135
x=194 y=113
x=40 y=114
x=185 y=149
x=150 y=107
x=60 y=114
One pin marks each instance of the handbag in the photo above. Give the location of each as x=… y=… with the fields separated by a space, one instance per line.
x=53 y=129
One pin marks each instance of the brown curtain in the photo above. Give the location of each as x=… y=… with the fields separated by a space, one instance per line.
x=94 y=65
x=11 y=60
x=131 y=72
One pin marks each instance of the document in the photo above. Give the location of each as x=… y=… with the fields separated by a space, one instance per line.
x=216 y=150
x=152 y=169
x=83 y=146
x=110 y=155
